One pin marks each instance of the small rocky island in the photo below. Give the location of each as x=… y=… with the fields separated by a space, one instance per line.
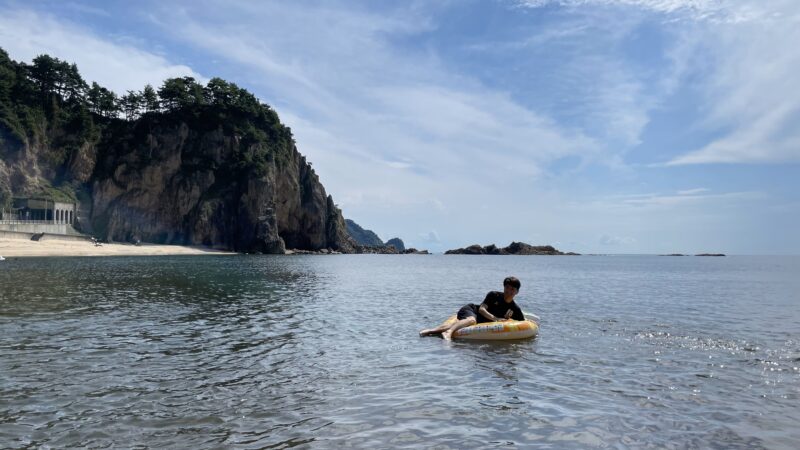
x=515 y=248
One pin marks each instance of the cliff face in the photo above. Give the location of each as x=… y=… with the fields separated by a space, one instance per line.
x=178 y=184
x=31 y=165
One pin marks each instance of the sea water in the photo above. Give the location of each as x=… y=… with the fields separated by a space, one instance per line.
x=323 y=352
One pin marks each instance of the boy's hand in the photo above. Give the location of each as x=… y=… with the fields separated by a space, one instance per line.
x=508 y=315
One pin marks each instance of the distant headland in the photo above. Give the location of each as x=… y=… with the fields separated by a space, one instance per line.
x=369 y=242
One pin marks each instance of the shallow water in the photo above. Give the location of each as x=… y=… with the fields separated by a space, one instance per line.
x=322 y=352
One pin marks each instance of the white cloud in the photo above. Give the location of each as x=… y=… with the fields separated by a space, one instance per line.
x=748 y=73
x=25 y=34
x=752 y=90
x=693 y=191
x=608 y=240
x=730 y=10
x=594 y=83
x=401 y=165
x=431 y=237
x=754 y=95
x=683 y=199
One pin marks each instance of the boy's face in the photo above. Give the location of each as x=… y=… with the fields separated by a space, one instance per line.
x=510 y=291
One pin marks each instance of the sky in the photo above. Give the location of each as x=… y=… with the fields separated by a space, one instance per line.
x=595 y=126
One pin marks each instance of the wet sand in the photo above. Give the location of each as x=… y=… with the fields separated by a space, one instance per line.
x=53 y=247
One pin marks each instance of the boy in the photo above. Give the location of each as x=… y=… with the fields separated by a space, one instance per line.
x=496 y=307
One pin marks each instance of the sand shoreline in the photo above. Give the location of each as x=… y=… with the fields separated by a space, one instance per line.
x=15 y=248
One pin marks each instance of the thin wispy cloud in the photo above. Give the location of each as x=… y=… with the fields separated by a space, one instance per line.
x=754 y=93
x=752 y=97
x=726 y=10
x=593 y=82
x=615 y=241
x=684 y=199
x=692 y=191
x=679 y=204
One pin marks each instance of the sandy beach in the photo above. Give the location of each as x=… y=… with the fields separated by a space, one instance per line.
x=10 y=248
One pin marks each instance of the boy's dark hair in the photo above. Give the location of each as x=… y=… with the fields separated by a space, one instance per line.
x=512 y=281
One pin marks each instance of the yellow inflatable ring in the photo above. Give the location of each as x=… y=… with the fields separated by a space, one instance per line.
x=496 y=331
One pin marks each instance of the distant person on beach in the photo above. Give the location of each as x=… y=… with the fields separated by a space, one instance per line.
x=496 y=307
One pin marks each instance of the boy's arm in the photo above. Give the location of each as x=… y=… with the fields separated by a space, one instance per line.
x=485 y=313
x=518 y=315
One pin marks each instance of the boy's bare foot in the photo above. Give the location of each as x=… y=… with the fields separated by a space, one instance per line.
x=424 y=333
x=447 y=335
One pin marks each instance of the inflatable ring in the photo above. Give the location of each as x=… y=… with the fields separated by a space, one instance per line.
x=496 y=331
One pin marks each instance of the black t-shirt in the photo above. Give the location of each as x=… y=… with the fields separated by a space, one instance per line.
x=496 y=304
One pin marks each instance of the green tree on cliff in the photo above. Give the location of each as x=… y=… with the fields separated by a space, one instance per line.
x=75 y=86
x=219 y=92
x=8 y=79
x=57 y=79
x=131 y=104
x=43 y=73
x=181 y=92
x=102 y=101
x=149 y=99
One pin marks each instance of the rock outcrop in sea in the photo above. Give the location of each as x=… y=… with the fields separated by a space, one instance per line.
x=515 y=248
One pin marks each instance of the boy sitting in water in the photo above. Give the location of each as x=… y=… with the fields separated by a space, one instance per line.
x=496 y=307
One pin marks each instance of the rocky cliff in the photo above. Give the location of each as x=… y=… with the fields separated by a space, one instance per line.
x=210 y=166
x=177 y=181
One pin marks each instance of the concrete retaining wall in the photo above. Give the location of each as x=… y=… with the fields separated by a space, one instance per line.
x=45 y=237
x=54 y=228
x=15 y=235
x=64 y=237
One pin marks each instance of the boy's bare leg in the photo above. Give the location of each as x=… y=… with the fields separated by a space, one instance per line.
x=436 y=330
x=448 y=334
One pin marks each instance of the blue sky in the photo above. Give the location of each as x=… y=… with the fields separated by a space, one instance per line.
x=597 y=126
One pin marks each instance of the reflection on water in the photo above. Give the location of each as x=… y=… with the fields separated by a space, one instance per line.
x=258 y=352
